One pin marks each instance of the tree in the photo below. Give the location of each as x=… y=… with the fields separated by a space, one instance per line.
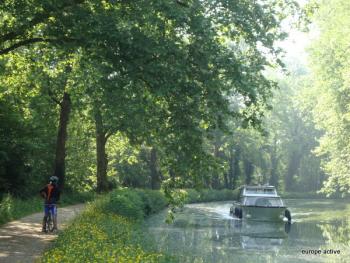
x=28 y=125
x=292 y=134
x=194 y=70
x=163 y=68
x=330 y=97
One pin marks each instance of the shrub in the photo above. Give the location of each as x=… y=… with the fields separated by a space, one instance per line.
x=153 y=201
x=12 y=208
x=68 y=198
x=302 y=195
x=209 y=195
x=105 y=233
x=109 y=230
x=193 y=196
x=126 y=203
x=99 y=237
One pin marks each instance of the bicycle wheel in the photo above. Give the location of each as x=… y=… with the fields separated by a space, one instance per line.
x=49 y=222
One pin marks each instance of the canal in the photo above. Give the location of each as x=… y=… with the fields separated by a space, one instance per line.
x=205 y=232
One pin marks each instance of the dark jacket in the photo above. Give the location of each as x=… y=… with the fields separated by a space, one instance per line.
x=51 y=193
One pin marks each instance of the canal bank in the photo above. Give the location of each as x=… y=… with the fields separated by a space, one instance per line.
x=110 y=228
x=205 y=232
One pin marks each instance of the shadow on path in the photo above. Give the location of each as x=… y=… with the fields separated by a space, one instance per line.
x=22 y=240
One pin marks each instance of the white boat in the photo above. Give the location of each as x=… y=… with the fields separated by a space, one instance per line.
x=260 y=203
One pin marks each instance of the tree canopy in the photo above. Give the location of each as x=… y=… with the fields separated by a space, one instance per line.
x=330 y=93
x=164 y=74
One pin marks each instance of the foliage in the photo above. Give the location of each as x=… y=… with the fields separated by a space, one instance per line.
x=329 y=99
x=100 y=237
x=207 y=195
x=133 y=203
x=153 y=201
x=132 y=164
x=108 y=231
x=178 y=197
x=81 y=154
x=280 y=154
x=25 y=136
x=162 y=74
x=302 y=195
x=125 y=203
x=12 y=208
x=293 y=135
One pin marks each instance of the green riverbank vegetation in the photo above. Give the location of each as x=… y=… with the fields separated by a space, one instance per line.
x=115 y=96
x=108 y=94
x=109 y=229
x=12 y=208
x=171 y=95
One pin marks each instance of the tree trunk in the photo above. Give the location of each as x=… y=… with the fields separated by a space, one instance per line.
x=215 y=182
x=274 y=176
x=231 y=169
x=292 y=170
x=226 y=181
x=248 y=170
x=102 y=160
x=155 y=176
x=236 y=170
x=172 y=175
x=59 y=169
x=274 y=163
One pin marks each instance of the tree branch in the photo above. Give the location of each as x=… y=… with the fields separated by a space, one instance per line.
x=108 y=134
x=146 y=82
x=21 y=30
x=53 y=98
x=32 y=41
x=182 y=3
x=23 y=43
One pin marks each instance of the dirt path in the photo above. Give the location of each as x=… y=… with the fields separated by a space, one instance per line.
x=22 y=240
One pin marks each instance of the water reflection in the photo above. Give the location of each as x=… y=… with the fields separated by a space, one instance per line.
x=253 y=231
x=262 y=235
x=206 y=233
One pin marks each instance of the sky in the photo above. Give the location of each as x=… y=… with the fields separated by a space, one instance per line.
x=296 y=44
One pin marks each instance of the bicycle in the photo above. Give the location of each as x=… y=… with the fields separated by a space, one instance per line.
x=49 y=224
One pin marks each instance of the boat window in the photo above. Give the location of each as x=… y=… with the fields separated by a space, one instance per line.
x=249 y=200
x=263 y=201
x=269 y=191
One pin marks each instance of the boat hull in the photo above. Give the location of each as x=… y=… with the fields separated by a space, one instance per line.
x=263 y=213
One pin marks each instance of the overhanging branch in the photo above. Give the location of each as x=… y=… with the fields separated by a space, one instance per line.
x=53 y=98
x=35 y=40
x=23 y=43
x=182 y=3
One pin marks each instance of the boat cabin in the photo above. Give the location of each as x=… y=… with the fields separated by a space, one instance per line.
x=259 y=190
x=260 y=203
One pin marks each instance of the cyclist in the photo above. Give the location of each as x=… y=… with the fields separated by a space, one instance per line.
x=51 y=194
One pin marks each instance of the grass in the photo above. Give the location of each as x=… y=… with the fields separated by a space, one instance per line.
x=97 y=236
x=209 y=195
x=12 y=208
x=303 y=195
x=312 y=195
x=109 y=229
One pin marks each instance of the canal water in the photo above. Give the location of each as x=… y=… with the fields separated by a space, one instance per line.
x=205 y=232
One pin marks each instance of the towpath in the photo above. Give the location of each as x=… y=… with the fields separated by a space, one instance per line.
x=22 y=240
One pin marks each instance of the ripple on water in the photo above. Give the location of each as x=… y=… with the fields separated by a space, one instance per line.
x=207 y=233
